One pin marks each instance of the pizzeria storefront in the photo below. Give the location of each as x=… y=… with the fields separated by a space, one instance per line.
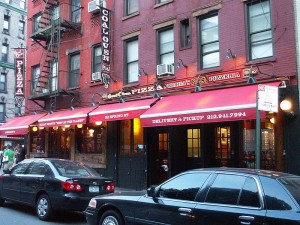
x=209 y=129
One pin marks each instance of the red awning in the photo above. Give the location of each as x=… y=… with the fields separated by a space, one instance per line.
x=220 y=105
x=66 y=117
x=19 y=125
x=121 y=111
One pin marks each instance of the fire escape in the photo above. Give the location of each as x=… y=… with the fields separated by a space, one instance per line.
x=51 y=24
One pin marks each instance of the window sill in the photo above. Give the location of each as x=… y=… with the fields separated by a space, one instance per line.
x=96 y=83
x=261 y=61
x=162 y=4
x=130 y=16
x=210 y=70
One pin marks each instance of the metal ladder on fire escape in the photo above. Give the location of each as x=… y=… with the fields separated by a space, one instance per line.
x=48 y=80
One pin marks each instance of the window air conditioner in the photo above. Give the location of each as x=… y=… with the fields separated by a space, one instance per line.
x=96 y=76
x=94 y=6
x=165 y=69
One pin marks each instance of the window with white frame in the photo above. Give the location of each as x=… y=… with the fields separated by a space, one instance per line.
x=22 y=4
x=36 y=22
x=54 y=73
x=4 y=52
x=6 y=24
x=2 y=112
x=76 y=11
x=131 y=6
x=166 y=46
x=3 y=82
x=21 y=28
x=35 y=74
x=74 y=71
x=97 y=58
x=209 y=41
x=260 y=30
x=132 y=61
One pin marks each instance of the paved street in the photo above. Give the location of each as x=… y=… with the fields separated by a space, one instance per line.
x=13 y=214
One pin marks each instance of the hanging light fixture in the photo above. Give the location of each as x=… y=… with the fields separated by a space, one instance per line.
x=34 y=129
x=91 y=131
x=79 y=126
x=98 y=123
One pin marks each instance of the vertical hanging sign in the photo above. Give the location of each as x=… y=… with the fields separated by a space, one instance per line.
x=19 y=55
x=105 y=35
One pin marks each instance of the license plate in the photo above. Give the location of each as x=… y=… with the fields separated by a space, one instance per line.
x=93 y=188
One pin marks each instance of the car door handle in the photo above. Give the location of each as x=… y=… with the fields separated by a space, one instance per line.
x=184 y=210
x=246 y=220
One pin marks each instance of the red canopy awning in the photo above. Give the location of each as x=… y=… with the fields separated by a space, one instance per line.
x=19 y=125
x=220 y=105
x=65 y=117
x=121 y=111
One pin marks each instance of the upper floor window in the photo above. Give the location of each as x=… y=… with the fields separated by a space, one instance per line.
x=4 y=52
x=185 y=34
x=260 y=30
x=35 y=74
x=132 y=61
x=21 y=29
x=36 y=22
x=3 y=82
x=22 y=4
x=54 y=73
x=209 y=42
x=97 y=58
x=74 y=71
x=131 y=6
x=2 y=112
x=166 y=46
x=76 y=11
x=6 y=24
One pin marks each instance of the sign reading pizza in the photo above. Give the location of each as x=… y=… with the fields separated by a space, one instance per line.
x=19 y=55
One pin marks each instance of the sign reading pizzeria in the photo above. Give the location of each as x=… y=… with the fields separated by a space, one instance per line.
x=19 y=56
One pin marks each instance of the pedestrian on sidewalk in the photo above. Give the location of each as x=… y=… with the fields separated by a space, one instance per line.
x=11 y=157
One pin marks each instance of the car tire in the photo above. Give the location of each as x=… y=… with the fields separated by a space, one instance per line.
x=111 y=217
x=43 y=208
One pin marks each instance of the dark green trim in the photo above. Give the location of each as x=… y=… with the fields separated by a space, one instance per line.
x=7 y=65
x=21 y=11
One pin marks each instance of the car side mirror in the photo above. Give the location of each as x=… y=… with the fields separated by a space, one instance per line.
x=151 y=191
x=7 y=171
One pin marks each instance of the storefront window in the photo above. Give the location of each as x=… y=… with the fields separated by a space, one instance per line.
x=132 y=137
x=37 y=140
x=193 y=141
x=89 y=139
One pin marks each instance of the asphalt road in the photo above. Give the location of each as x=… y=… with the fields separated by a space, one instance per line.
x=14 y=214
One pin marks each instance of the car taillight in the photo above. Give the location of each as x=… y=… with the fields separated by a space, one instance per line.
x=110 y=187
x=71 y=186
x=93 y=203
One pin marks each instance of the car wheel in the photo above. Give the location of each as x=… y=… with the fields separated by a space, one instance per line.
x=111 y=217
x=43 y=208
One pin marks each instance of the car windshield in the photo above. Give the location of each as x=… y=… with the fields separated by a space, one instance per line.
x=74 y=169
x=293 y=185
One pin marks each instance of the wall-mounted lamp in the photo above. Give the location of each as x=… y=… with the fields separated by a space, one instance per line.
x=180 y=63
x=198 y=85
x=79 y=126
x=91 y=131
x=93 y=101
x=67 y=126
x=251 y=79
x=272 y=120
x=42 y=128
x=142 y=72
x=34 y=129
x=98 y=123
x=55 y=128
x=287 y=107
x=229 y=54
x=156 y=94
x=121 y=99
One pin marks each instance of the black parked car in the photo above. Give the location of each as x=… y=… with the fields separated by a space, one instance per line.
x=206 y=197
x=52 y=184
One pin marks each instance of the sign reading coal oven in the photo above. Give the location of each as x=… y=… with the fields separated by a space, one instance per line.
x=105 y=34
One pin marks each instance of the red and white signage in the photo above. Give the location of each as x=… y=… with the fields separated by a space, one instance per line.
x=19 y=55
